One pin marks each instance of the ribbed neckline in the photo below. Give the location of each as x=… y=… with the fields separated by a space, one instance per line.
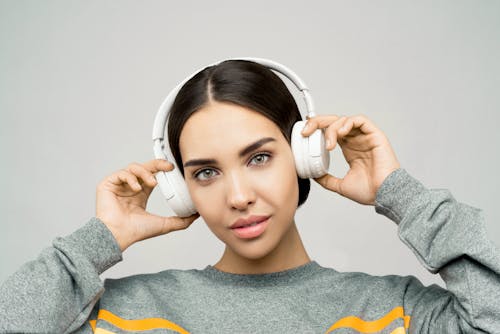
x=286 y=276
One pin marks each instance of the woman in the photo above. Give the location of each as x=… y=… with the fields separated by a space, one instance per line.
x=229 y=131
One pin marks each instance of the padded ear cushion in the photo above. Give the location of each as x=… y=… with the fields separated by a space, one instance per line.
x=175 y=191
x=312 y=159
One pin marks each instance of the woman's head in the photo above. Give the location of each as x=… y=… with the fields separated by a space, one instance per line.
x=239 y=82
x=229 y=131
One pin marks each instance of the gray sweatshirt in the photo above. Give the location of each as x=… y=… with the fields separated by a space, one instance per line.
x=61 y=292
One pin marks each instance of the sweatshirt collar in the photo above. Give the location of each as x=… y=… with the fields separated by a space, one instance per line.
x=290 y=275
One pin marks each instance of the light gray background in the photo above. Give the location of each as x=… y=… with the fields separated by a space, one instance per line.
x=81 y=81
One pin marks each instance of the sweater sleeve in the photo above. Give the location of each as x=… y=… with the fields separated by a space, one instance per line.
x=448 y=238
x=57 y=292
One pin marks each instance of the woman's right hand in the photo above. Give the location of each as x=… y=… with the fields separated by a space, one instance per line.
x=121 y=200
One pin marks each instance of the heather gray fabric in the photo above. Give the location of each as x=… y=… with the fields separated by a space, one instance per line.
x=61 y=290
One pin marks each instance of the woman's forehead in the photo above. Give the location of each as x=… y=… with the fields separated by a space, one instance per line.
x=224 y=127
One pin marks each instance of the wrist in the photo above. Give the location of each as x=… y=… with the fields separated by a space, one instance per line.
x=396 y=194
x=92 y=242
x=121 y=240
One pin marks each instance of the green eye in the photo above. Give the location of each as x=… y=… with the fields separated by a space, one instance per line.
x=260 y=158
x=204 y=174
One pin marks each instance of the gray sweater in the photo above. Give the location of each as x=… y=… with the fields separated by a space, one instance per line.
x=61 y=291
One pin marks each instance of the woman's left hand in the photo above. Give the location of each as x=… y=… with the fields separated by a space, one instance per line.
x=366 y=149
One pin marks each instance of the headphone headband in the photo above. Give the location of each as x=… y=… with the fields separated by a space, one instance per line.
x=161 y=116
x=160 y=122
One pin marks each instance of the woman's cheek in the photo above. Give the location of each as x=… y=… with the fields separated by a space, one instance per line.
x=208 y=200
x=287 y=176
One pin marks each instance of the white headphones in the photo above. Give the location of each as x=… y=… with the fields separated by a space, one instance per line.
x=312 y=159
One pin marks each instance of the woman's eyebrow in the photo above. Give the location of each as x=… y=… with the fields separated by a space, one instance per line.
x=252 y=147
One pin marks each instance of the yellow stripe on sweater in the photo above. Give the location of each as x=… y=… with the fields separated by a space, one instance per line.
x=363 y=326
x=139 y=324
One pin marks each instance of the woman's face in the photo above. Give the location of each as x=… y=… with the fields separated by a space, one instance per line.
x=238 y=165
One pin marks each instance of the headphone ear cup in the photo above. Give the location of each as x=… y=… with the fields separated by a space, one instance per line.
x=312 y=159
x=175 y=191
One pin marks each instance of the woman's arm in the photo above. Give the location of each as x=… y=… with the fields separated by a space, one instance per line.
x=448 y=238
x=57 y=292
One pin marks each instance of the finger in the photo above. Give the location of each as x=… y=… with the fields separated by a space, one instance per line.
x=125 y=177
x=318 y=122
x=330 y=182
x=331 y=133
x=359 y=122
x=141 y=171
x=156 y=165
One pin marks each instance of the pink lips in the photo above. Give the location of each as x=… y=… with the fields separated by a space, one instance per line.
x=250 y=227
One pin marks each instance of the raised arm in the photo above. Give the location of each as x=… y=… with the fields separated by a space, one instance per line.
x=447 y=237
x=57 y=292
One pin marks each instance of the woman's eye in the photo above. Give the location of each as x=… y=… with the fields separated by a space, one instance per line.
x=207 y=174
x=204 y=174
x=260 y=158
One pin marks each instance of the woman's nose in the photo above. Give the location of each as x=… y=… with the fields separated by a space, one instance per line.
x=240 y=193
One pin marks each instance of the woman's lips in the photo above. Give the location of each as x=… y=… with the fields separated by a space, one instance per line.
x=251 y=227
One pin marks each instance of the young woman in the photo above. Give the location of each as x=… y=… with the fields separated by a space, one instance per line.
x=229 y=131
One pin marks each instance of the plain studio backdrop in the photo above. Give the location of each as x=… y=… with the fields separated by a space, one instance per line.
x=81 y=82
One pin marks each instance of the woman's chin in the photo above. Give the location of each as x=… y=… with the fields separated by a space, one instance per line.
x=252 y=251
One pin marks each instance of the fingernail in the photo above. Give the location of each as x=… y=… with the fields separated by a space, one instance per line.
x=328 y=142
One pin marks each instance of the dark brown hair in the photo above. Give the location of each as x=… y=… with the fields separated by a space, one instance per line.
x=240 y=82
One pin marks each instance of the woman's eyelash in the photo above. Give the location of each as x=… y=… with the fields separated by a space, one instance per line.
x=263 y=154
x=267 y=156
x=198 y=173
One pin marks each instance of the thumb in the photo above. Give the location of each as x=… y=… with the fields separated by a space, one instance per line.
x=163 y=225
x=330 y=182
x=175 y=223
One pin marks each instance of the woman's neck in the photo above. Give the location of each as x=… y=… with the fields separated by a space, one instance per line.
x=289 y=253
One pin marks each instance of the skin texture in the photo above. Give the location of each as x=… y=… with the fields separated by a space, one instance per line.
x=253 y=184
